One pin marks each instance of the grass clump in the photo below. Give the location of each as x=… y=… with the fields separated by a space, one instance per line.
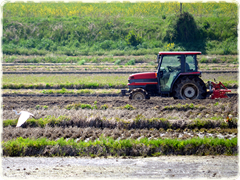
x=184 y=107
x=41 y=122
x=131 y=62
x=104 y=107
x=86 y=106
x=82 y=62
x=118 y=62
x=78 y=106
x=128 y=107
x=10 y=122
x=45 y=107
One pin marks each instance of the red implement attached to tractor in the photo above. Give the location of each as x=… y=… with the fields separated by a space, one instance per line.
x=177 y=76
x=218 y=90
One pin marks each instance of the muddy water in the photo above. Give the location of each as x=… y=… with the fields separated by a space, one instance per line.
x=148 y=168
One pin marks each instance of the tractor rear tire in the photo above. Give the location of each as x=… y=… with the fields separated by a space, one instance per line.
x=139 y=94
x=189 y=87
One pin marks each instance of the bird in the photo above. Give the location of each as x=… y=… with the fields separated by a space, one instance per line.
x=24 y=115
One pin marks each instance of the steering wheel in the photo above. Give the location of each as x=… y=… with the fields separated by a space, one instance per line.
x=170 y=69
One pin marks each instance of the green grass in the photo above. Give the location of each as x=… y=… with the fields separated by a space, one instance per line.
x=80 y=106
x=75 y=29
x=125 y=9
x=41 y=122
x=78 y=81
x=209 y=146
x=226 y=80
x=128 y=107
x=64 y=81
x=53 y=91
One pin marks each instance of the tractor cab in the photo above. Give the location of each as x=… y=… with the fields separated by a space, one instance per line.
x=173 y=64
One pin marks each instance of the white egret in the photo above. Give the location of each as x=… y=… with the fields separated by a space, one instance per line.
x=24 y=115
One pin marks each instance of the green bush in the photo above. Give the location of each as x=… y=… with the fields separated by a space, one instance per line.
x=131 y=62
x=133 y=39
x=118 y=62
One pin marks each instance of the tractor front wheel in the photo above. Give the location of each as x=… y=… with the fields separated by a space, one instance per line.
x=139 y=94
x=189 y=88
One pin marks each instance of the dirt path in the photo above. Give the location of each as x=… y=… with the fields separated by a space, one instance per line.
x=156 y=167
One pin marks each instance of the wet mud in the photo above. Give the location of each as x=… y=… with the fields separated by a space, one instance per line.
x=214 y=167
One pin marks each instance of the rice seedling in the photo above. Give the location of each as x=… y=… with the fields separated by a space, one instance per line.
x=19 y=146
x=128 y=107
x=45 y=107
x=78 y=106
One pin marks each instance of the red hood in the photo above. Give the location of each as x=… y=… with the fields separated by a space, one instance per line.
x=147 y=75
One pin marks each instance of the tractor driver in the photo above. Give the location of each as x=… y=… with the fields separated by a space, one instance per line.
x=178 y=68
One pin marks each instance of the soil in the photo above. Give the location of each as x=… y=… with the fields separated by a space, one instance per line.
x=215 y=167
x=178 y=112
x=89 y=124
x=118 y=122
x=19 y=102
x=92 y=133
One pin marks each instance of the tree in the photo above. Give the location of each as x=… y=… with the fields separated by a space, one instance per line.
x=185 y=28
x=133 y=39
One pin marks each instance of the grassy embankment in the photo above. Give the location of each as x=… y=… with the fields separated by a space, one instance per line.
x=76 y=29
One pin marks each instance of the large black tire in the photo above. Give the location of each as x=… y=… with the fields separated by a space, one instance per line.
x=139 y=94
x=189 y=87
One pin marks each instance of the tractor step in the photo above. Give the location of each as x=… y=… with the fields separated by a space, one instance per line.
x=124 y=92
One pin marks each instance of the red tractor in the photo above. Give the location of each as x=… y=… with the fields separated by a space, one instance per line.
x=177 y=76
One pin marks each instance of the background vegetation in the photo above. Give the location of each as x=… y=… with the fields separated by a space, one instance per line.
x=118 y=28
